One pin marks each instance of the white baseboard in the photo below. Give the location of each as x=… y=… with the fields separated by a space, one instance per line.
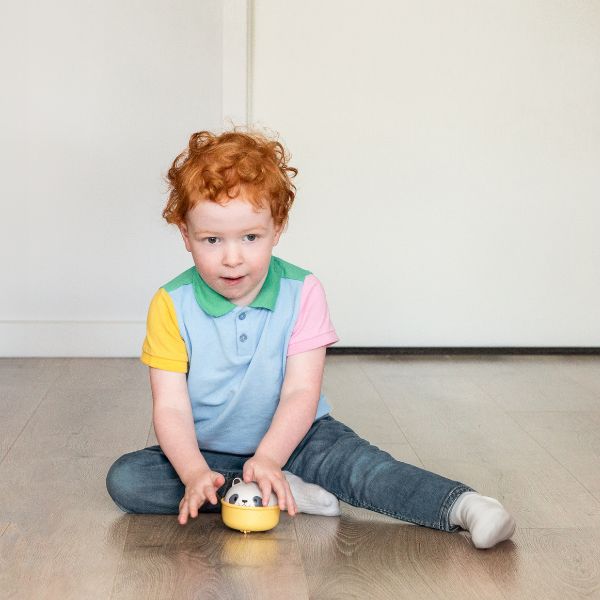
x=71 y=338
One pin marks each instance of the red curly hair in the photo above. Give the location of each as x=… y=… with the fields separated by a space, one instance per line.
x=217 y=167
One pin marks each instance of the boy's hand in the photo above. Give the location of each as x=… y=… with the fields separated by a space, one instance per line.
x=199 y=488
x=267 y=474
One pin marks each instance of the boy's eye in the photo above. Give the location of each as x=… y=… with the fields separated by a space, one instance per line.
x=213 y=239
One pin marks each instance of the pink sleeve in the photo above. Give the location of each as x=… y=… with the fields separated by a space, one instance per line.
x=313 y=327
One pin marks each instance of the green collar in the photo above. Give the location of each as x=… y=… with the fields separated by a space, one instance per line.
x=216 y=305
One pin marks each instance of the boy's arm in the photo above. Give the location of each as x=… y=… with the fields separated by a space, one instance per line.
x=174 y=423
x=297 y=405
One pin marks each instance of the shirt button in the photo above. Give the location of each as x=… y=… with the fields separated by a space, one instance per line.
x=242 y=316
x=243 y=337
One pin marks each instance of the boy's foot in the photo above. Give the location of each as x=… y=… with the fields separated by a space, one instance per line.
x=484 y=518
x=311 y=498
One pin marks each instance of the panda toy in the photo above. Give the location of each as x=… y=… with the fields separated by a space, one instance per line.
x=247 y=494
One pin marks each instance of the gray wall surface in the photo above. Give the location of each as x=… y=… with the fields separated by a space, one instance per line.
x=98 y=99
x=449 y=156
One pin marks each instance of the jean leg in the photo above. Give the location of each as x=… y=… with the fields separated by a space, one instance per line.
x=145 y=482
x=333 y=456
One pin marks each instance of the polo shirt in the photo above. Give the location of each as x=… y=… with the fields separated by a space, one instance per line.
x=234 y=356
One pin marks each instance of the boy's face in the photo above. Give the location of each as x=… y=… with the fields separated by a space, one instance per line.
x=231 y=241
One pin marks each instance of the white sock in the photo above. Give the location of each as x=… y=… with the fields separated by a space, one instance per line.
x=484 y=518
x=312 y=498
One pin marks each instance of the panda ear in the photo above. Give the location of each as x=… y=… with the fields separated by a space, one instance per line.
x=236 y=481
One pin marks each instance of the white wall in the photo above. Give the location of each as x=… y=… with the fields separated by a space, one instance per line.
x=98 y=99
x=449 y=157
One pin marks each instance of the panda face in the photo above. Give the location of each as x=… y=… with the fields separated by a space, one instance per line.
x=246 y=494
x=237 y=499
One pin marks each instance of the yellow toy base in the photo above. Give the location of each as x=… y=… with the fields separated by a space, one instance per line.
x=249 y=518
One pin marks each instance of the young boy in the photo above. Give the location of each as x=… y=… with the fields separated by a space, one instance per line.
x=236 y=350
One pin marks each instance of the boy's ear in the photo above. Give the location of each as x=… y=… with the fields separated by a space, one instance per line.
x=278 y=232
x=184 y=234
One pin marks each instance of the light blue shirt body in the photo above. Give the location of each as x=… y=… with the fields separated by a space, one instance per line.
x=237 y=355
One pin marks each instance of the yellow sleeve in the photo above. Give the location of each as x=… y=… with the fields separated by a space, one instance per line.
x=164 y=347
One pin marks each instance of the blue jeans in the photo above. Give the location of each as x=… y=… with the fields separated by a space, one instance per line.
x=330 y=455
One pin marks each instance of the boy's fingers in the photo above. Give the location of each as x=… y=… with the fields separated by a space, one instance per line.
x=210 y=494
x=183 y=513
x=284 y=494
x=291 y=503
x=289 y=500
x=280 y=493
x=266 y=492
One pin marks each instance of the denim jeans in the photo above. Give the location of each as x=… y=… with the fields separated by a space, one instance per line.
x=331 y=455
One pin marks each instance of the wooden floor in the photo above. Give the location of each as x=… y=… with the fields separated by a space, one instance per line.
x=524 y=429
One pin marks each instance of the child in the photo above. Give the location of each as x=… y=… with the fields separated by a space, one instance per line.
x=236 y=350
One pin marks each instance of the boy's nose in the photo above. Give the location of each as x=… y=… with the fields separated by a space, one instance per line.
x=232 y=257
x=232 y=262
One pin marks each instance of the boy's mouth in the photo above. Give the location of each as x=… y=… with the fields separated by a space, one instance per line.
x=233 y=280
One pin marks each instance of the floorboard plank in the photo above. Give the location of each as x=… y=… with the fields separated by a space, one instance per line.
x=524 y=429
